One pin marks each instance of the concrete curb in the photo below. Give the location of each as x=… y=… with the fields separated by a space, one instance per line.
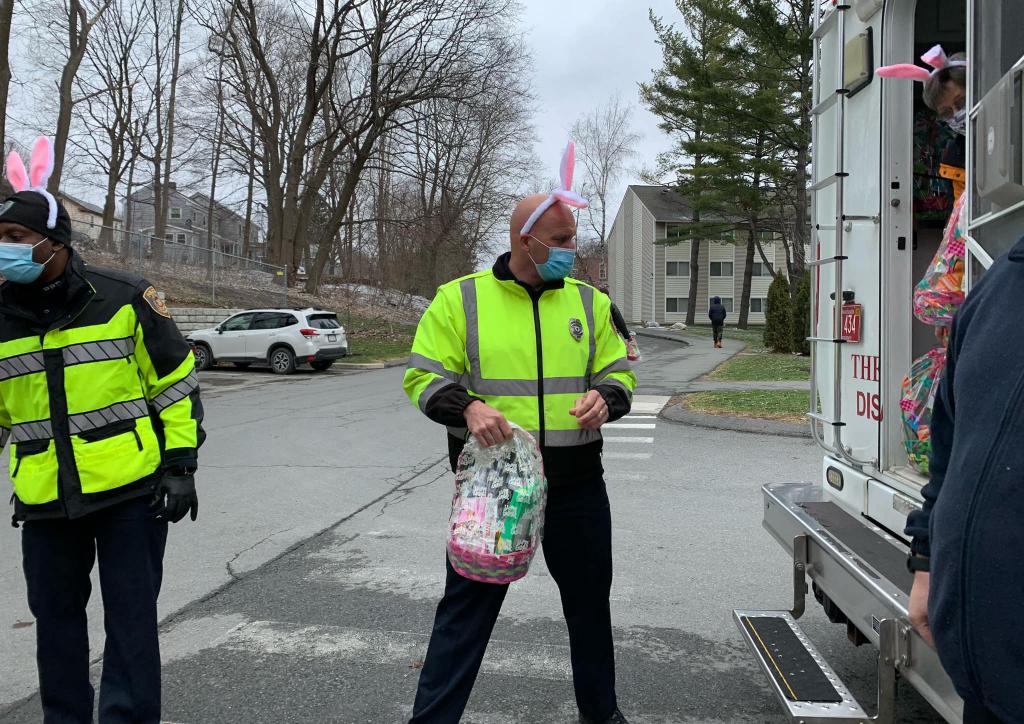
x=663 y=334
x=679 y=414
x=385 y=364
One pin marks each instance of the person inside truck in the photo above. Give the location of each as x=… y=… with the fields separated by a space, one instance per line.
x=938 y=188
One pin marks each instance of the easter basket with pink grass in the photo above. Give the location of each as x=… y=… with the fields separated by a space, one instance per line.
x=497 y=518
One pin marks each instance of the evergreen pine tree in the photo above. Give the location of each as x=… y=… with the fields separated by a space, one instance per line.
x=689 y=94
x=778 y=331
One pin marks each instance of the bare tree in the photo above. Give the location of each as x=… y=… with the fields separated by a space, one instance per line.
x=605 y=142
x=162 y=82
x=113 y=101
x=324 y=87
x=80 y=25
x=6 y=18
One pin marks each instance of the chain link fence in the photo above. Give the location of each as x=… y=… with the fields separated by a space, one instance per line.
x=187 y=274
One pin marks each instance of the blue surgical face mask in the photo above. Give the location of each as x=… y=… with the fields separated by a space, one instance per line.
x=17 y=265
x=559 y=264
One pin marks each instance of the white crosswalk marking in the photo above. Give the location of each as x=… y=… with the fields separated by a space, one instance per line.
x=621 y=438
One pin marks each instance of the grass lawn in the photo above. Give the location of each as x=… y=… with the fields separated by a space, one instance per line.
x=764 y=367
x=752 y=337
x=371 y=340
x=785 y=405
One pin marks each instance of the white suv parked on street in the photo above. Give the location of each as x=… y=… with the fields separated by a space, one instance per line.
x=283 y=338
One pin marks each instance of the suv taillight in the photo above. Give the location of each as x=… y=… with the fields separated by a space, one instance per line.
x=309 y=332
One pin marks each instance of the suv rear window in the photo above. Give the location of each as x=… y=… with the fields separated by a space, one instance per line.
x=324 y=321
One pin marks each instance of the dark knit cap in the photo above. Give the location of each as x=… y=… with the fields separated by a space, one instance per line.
x=31 y=210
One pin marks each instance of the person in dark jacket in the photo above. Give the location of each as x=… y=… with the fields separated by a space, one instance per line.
x=717 y=315
x=968 y=534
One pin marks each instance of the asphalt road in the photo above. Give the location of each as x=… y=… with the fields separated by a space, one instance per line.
x=306 y=590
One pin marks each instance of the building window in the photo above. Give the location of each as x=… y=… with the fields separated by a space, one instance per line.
x=758 y=305
x=676 y=233
x=721 y=268
x=677 y=269
x=175 y=212
x=181 y=238
x=726 y=302
x=761 y=269
x=677 y=305
x=767 y=236
x=602 y=271
x=170 y=238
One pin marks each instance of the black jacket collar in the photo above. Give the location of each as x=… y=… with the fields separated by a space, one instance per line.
x=503 y=272
x=22 y=301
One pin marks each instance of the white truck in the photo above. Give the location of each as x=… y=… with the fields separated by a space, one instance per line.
x=845 y=533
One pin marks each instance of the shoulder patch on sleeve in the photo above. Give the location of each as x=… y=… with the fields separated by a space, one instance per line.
x=153 y=299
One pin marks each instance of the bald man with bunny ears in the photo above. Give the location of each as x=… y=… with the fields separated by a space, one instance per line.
x=523 y=343
x=99 y=403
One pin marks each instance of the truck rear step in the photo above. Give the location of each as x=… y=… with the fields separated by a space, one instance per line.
x=808 y=688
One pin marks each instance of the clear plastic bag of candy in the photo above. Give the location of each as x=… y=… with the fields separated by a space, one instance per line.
x=917 y=403
x=497 y=518
x=941 y=291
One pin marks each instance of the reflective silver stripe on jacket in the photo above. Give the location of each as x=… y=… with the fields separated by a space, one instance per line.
x=496 y=387
x=22 y=364
x=620 y=365
x=419 y=362
x=177 y=392
x=468 y=288
x=26 y=431
x=587 y=297
x=107 y=349
x=570 y=438
x=86 y=421
x=612 y=382
x=432 y=389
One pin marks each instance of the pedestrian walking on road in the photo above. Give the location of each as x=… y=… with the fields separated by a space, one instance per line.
x=717 y=315
x=967 y=537
x=100 y=402
x=522 y=343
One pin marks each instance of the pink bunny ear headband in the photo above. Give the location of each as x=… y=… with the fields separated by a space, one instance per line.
x=564 y=193
x=40 y=168
x=936 y=58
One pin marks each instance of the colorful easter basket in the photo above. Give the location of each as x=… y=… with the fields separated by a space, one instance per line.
x=497 y=518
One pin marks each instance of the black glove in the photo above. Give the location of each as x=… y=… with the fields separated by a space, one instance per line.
x=178 y=493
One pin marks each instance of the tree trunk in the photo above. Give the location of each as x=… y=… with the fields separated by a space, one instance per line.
x=247 y=233
x=6 y=15
x=748 y=274
x=217 y=142
x=129 y=221
x=691 y=305
x=165 y=173
x=76 y=50
x=110 y=203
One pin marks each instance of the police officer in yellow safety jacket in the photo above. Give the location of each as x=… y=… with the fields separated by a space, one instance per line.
x=522 y=343
x=99 y=403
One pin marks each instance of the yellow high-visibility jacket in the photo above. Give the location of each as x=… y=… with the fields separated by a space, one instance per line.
x=98 y=392
x=528 y=353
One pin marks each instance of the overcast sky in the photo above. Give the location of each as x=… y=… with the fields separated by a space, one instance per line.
x=584 y=52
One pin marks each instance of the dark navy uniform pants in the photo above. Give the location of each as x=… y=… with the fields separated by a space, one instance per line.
x=58 y=557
